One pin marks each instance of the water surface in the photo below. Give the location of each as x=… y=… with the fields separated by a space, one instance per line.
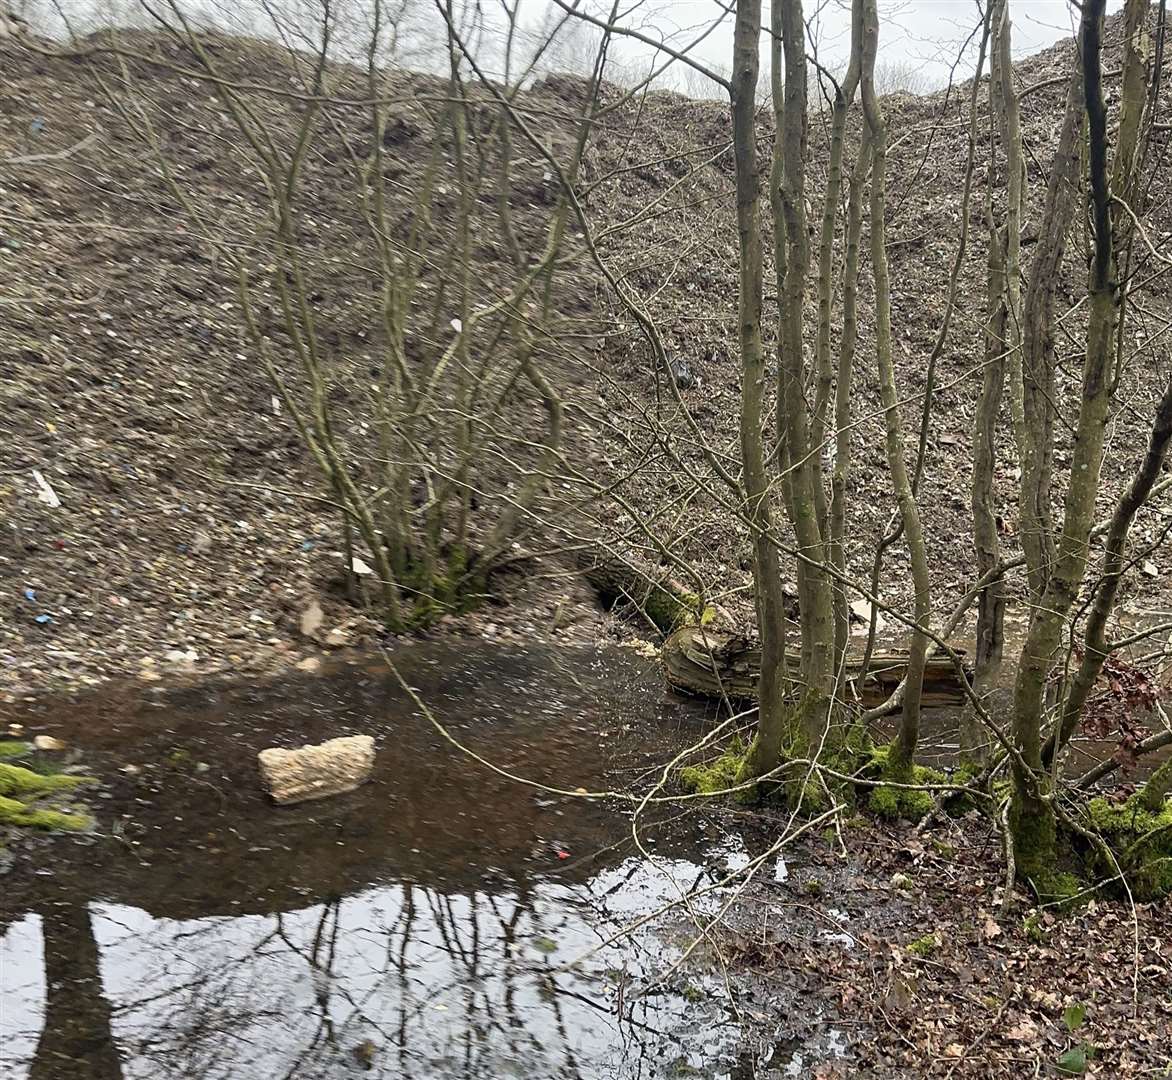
x=421 y=927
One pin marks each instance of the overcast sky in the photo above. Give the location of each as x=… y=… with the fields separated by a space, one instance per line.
x=919 y=39
x=923 y=35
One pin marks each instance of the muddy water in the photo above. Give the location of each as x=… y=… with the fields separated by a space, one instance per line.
x=415 y=928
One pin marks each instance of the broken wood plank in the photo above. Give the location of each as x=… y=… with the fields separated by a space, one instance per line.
x=708 y=663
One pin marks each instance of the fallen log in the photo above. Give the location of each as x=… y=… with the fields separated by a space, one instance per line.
x=709 y=663
x=666 y=603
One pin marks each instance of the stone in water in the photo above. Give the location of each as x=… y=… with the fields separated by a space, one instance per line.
x=316 y=772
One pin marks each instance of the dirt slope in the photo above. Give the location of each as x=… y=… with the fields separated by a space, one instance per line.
x=187 y=538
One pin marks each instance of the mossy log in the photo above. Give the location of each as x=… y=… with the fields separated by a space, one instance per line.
x=665 y=602
x=708 y=662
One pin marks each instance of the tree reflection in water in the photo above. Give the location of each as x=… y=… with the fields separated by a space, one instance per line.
x=399 y=980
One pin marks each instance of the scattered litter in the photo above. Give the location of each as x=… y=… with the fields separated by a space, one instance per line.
x=47 y=742
x=1149 y=569
x=563 y=854
x=43 y=619
x=182 y=656
x=306 y=545
x=457 y=326
x=360 y=567
x=311 y=619
x=781 y=870
x=16 y=730
x=45 y=492
x=276 y=405
x=861 y=612
x=30 y=594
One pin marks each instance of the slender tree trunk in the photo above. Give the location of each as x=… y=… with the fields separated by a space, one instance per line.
x=990 y=636
x=1128 y=154
x=1002 y=334
x=844 y=95
x=1038 y=357
x=904 y=749
x=842 y=392
x=1032 y=817
x=771 y=723
x=788 y=197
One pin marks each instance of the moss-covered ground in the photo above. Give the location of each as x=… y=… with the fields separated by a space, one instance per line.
x=26 y=796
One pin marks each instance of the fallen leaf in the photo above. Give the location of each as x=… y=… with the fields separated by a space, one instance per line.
x=1024 y=1030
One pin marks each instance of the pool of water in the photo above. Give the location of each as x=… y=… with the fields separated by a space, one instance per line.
x=443 y=921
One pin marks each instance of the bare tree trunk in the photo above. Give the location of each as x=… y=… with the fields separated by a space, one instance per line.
x=904 y=749
x=1032 y=818
x=842 y=392
x=1124 y=175
x=1037 y=347
x=1002 y=333
x=844 y=95
x=771 y=723
x=1096 y=648
x=806 y=504
x=990 y=636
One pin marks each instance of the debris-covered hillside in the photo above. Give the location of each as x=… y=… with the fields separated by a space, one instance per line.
x=159 y=512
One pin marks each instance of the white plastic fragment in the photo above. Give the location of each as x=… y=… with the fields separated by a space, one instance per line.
x=45 y=492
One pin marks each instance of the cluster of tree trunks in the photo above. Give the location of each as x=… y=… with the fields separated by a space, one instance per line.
x=714 y=664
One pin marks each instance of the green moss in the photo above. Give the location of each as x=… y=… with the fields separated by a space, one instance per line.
x=717 y=775
x=24 y=783
x=670 y=610
x=692 y=993
x=1032 y=927
x=21 y=815
x=20 y=788
x=891 y=802
x=884 y=801
x=10 y=749
x=1059 y=888
x=1141 y=841
x=924 y=947
x=813 y=886
x=961 y=802
x=456 y=585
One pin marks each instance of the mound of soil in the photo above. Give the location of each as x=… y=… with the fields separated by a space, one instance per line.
x=161 y=515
